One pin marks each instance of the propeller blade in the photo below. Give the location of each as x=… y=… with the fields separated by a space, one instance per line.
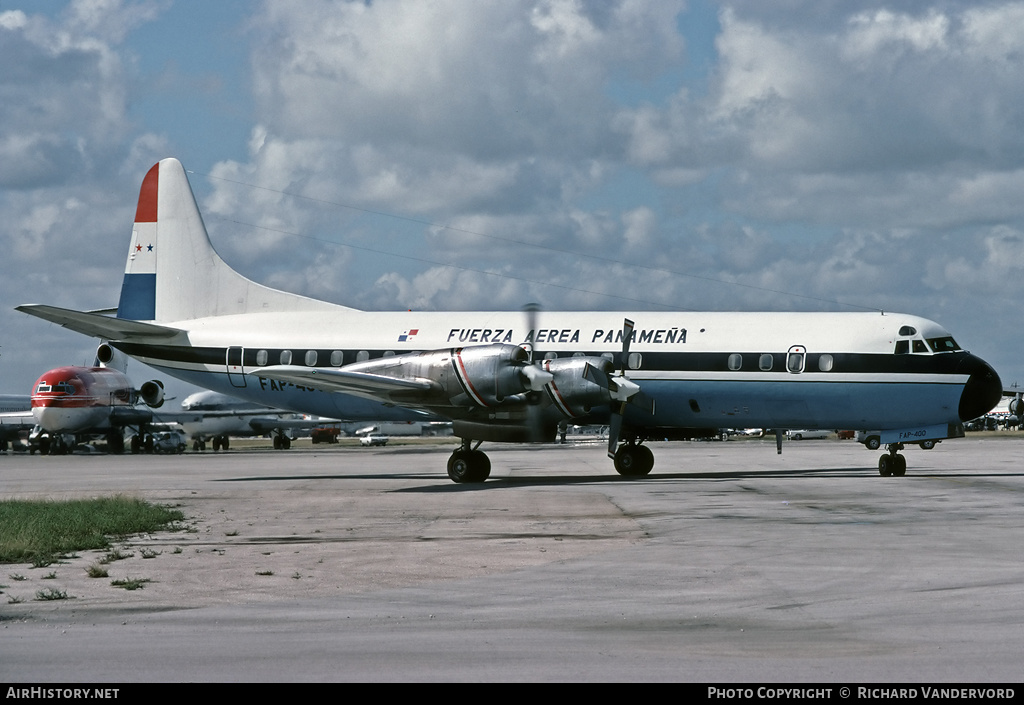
x=627 y=337
x=531 y=311
x=615 y=428
x=597 y=376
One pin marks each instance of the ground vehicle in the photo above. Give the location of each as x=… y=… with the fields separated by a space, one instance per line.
x=873 y=441
x=373 y=439
x=168 y=442
x=804 y=433
x=325 y=434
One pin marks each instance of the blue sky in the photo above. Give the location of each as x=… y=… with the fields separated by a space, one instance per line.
x=743 y=155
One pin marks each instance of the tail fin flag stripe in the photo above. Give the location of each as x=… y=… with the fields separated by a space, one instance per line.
x=146 y=211
x=138 y=289
x=173 y=273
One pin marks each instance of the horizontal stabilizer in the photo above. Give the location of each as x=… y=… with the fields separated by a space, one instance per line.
x=328 y=379
x=97 y=325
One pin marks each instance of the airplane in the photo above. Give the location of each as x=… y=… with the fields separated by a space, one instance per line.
x=15 y=417
x=498 y=377
x=86 y=401
x=209 y=415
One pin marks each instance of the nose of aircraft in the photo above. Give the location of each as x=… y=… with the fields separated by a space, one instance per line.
x=982 y=391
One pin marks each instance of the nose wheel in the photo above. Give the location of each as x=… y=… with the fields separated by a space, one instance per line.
x=892 y=463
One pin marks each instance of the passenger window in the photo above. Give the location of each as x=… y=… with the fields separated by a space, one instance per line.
x=310 y=358
x=261 y=358
x=825 y=363
x=337 y=358
x=362 y=356
x=388 y=353
x=286 y=357
x=735 y=361
x=551 y=356
x=766 y=361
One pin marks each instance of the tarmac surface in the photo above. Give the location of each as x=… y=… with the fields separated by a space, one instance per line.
x=728 y=563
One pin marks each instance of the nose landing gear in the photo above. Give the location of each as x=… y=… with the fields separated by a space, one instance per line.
x=892 y=463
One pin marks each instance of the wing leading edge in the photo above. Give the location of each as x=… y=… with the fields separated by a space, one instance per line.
x=98 y=325
x=326 y=379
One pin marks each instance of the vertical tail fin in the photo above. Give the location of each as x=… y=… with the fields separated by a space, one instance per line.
x=174 y=274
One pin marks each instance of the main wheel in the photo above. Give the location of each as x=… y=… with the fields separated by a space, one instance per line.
x=899 y=465
x=469 y=466
x=115 y=443
x=885 y=465
x=633 y=460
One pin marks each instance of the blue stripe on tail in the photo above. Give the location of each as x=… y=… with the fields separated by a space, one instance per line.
x=138 y=297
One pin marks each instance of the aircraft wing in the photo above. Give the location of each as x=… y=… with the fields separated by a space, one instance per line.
x=338 y=380
x=265 y=424
x=12 y=422
x=97 y=325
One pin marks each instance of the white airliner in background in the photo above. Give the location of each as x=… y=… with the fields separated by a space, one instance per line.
x=503 y=376
x=215 y=417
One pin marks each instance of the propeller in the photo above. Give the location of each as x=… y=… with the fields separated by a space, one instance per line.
x=536 y=378
x=621 y=389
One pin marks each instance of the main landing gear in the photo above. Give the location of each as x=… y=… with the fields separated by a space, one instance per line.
x=892 y=463
x=467 y=464
x=633 y=460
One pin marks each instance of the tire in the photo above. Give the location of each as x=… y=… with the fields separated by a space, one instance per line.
x=927 y=445
x=465 y=466
x=885 y=466
x=899 y=466
x=633 y=460
x=873 y=443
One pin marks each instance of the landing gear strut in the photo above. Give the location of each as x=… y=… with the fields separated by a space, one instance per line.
x=467 y=464
x=892 y=463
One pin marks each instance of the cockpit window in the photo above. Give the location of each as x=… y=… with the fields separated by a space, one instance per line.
x=919 y=346
x=941 y=345
x=902 y=347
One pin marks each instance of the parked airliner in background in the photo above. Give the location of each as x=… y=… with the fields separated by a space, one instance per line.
x=500 y=376
x=70 y=403
x=15 y=417
x=212 y=416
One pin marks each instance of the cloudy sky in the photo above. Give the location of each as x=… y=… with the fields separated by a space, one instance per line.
x=616 y=154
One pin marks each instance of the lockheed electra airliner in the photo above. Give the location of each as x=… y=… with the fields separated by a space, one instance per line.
x=506 y=376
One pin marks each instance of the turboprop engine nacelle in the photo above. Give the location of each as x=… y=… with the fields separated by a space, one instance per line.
x=480 y=375
x=152 y=393
x=572 y=393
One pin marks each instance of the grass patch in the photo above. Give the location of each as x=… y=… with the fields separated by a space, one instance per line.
x=51 y=594
x=39 y=530
x=97 y=571
x=131 y=583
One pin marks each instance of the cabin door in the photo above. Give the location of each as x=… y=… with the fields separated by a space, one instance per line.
x=234 y=366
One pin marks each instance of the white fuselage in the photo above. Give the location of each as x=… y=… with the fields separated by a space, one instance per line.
x=703 y=369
